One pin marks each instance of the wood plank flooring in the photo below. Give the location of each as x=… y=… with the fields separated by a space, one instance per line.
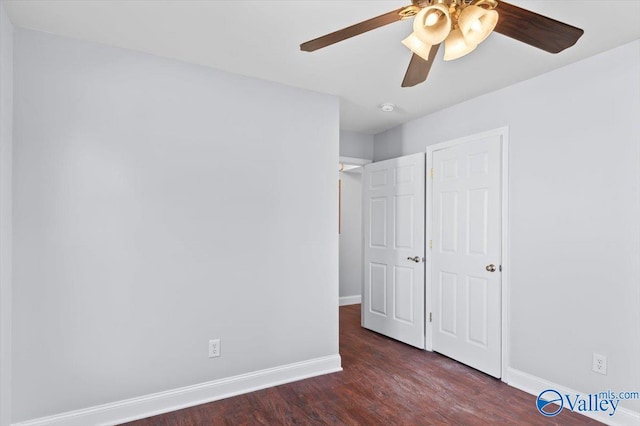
x=384 y=382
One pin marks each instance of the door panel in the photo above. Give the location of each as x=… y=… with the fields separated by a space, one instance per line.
x=478 y=210
x=448 y=221
x=403 y=294
x=393 y=297
x=477 y=312
x=448 y=304
x=378 y=289
x=378 y=228
x=404 y=229
x=466 y=225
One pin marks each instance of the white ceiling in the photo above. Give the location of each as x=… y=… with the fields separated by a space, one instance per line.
x=261 y=39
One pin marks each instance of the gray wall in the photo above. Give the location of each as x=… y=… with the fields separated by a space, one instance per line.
x=356 y=145
x=574 y=209
x=155 y=209
x=6 y=143
x=351 y=260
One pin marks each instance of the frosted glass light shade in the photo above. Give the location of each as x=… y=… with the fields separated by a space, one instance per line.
x=476 y=23
x=456 y=47
x=438 y=31
x=417 y=46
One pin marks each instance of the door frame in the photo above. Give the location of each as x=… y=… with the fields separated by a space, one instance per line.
x=503 y=132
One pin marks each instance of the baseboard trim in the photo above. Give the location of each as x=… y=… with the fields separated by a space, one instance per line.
x=350 y=300
x=534 y=385
x=188 y=396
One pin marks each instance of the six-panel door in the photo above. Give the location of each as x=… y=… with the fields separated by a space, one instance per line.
x=466 y=253
x=393 y=206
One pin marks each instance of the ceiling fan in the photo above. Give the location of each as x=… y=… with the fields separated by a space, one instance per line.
x=461 y=25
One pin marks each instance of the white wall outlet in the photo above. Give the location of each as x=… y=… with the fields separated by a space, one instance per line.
x=214 y=348
x=600 y=363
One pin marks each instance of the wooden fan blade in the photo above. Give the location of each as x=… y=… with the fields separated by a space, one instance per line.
x=534 y=29
x=353 y=30
x=419 y=68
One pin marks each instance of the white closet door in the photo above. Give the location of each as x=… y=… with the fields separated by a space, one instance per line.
x=466 y=252
x=393 y=209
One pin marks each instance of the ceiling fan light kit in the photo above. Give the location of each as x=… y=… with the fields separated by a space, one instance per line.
x=476 y=23
x=418 y=47
x=432 y=24
x=462 y=25
x=456 y=46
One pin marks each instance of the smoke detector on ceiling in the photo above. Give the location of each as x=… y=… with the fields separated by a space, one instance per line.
x=387 y=107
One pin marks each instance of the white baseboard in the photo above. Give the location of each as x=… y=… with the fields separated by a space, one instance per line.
x=188 y=396
x=534 y=385
x=350 y=300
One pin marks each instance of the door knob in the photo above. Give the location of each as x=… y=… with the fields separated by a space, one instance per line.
x=491 y=268
x=414 y=258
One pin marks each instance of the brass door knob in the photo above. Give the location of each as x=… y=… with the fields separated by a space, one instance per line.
x=491 y=268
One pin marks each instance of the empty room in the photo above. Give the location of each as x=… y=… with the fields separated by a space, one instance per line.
x=420 y=212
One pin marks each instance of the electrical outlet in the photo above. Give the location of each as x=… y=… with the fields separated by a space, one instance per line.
x=600 y=363
x=214 y=348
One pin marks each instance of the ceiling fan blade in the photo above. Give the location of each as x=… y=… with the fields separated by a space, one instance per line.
x=534 y=29
x=353 y=30
x=419 y=68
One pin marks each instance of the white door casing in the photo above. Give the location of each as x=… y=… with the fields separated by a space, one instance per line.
x=466 y=238
x=393 y=225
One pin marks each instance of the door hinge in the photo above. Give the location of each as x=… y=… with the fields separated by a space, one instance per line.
x=431 y=172
x=430 y=244
x=430 y=317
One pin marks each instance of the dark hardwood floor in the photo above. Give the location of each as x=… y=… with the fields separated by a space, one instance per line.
x=384 y=382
